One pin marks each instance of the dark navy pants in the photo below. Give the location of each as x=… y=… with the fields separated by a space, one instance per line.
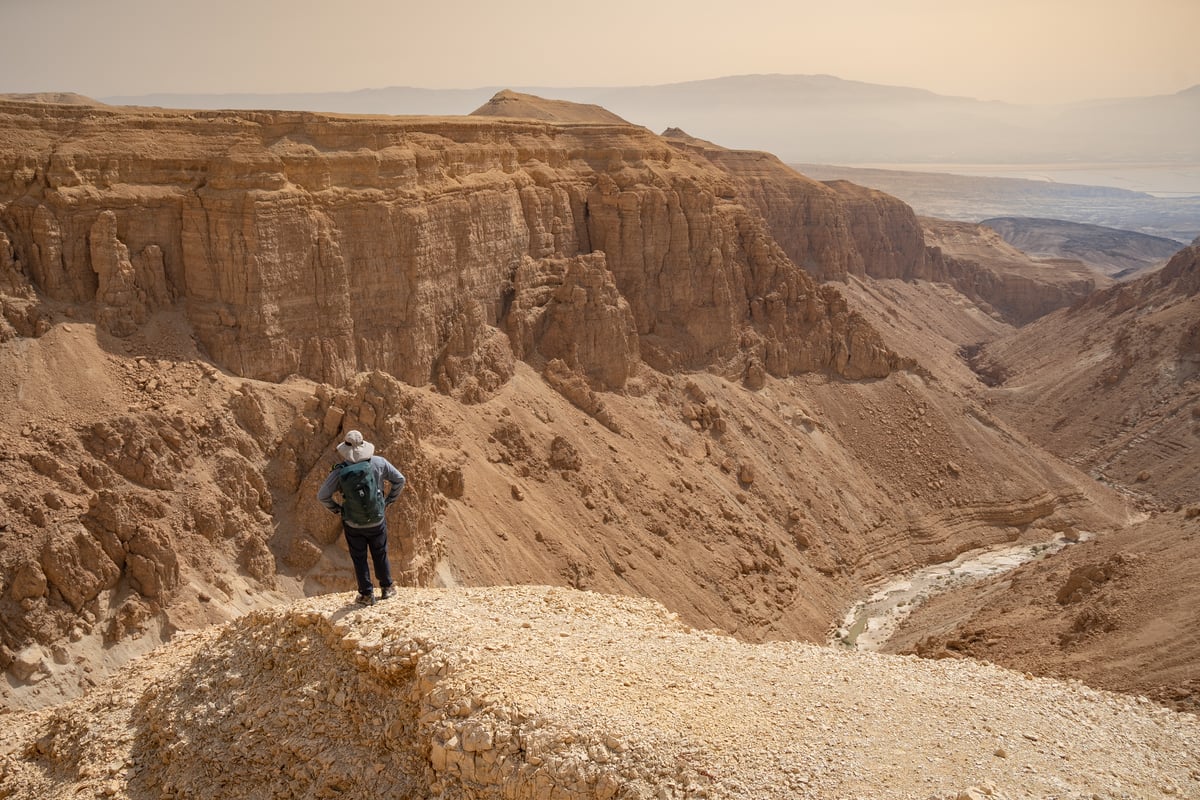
x=361 y=540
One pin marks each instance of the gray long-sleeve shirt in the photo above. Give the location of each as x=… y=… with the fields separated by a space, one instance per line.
x=384 y=471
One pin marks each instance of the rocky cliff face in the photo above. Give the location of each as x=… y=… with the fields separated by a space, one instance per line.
x=977 y=261
x=318 y=246
x=836 y=229
x=830 y=233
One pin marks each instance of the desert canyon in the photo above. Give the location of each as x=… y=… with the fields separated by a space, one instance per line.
x=666 y=409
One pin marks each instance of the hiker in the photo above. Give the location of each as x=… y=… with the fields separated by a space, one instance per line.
x=359 y=479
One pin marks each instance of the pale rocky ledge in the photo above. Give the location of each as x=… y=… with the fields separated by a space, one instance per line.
x=554 y=694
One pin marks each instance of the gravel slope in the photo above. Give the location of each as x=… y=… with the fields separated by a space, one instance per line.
x=533 y=692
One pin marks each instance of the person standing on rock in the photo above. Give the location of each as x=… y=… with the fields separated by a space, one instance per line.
x=359 y=478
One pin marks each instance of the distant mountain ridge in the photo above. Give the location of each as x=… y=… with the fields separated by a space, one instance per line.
x=814 y=118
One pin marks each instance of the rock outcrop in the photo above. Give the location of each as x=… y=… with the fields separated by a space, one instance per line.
x=980 y=264
x=20 y=313
x=127 y=290
x=571 y=310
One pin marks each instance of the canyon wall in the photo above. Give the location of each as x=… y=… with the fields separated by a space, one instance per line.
x=1111 y=383
x=836 y=228
x=980 y=264
x=319 y=246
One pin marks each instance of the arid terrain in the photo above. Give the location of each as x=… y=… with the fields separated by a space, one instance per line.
x=535 y=692
x=713 y=400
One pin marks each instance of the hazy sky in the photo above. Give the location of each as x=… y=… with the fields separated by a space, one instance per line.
x=1013 y=50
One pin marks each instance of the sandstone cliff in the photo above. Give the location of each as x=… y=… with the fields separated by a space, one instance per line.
x=830 y=233
x=837 y=229
x=981 y=265
x=319 y=246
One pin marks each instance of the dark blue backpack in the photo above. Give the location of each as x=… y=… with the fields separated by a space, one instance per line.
x=362 y=498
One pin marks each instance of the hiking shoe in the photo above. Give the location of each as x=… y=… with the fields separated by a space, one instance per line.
x=388 y=591
x=365 y=599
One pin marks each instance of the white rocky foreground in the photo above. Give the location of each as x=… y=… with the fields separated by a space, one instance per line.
x=531 y=692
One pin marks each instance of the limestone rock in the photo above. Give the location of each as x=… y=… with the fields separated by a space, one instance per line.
x=476 y=360
x=573 y=387
x=303 y=554
x=292 y=254
x=77 y=567
x=977 y=262
x=28 y=582
x=127 y=290
x=12 y=280
x=20 y=312
x=29 y=664
x=564 y=456
x=571 y=310
x=151 y=563
x=451 y=481
x=515 y=692
x=1082 y=582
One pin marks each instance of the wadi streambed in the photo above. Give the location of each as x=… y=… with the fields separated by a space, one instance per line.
x=871 y=622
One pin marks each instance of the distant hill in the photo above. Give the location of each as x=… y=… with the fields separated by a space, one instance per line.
x=1114 y=252
x=815 y=118
x=973 y=199
x=59 y=98
x=527 y=106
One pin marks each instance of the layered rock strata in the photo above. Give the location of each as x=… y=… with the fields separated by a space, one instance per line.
x=1111 y=383
x=323 y=246
x=1020 y=289
x=838 y=229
